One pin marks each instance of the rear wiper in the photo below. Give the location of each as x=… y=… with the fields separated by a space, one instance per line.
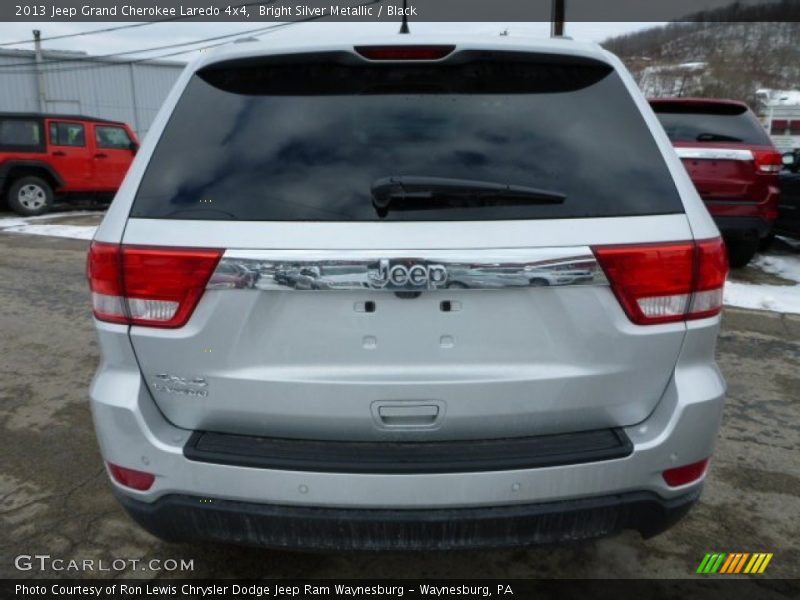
x=406 y=190
x=716 y=137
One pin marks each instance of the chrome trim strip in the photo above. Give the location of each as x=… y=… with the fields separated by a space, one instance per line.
x=715 y=153
x=406 y=271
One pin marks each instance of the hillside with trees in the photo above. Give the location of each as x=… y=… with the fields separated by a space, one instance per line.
x=730 y=52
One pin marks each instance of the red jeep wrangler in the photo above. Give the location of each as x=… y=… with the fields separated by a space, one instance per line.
x=45 y=156
x=733 y=164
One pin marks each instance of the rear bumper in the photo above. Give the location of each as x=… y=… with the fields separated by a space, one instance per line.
x=745 y=219
x=188 y=518
x=742 y=227
x=545 y=502
x=408 y=458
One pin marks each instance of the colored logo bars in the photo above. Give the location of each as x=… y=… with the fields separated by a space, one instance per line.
x=736 y=562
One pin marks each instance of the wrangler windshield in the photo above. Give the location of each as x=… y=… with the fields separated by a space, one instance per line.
x=306 y=141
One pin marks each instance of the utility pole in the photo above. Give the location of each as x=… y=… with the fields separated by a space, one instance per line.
x=40 y=83
x=557 y=19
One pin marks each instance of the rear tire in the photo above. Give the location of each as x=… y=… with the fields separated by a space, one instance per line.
x=766 y=243
x=30 y=196
x=741 y=251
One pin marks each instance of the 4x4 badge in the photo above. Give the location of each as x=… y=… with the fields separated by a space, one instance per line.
x=183 y=386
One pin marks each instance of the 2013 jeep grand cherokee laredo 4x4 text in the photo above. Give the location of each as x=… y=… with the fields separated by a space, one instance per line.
x=46 y=156
x=447 y=294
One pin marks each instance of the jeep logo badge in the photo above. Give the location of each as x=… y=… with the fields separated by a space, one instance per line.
x=404 y=276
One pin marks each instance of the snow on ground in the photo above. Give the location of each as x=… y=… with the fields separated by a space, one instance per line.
x=778 y=298
x=786 y=267
x=39 y=226
x=790 y=242
x=79 y=232
x=763 y=296
x=759 y=296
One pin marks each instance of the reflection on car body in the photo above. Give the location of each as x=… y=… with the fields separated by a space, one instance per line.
x=529 y=276
x=509 y=270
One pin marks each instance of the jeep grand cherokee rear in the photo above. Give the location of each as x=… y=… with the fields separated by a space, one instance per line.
x=453 y=294
x=733 y=163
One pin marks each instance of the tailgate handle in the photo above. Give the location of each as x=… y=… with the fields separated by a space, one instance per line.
x=405 y=415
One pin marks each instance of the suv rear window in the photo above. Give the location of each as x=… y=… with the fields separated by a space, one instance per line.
x=306 y=141
x=21 y=135
x=690 y=122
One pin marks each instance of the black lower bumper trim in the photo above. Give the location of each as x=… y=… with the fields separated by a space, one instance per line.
x=189 y=518
x=742 y=227
x=408 y=457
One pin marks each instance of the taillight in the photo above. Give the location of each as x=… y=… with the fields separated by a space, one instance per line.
x=404 y=52
x=104 y=273
x=711 y=269
x=139 y=285
x=686 y=473
x=669 y=282
x=768 y=161
x=137 y=480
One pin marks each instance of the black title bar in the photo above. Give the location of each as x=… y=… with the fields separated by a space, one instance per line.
x=392 y=10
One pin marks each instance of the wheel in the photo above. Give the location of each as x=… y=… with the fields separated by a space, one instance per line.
x=539 y=282
x=766 y=243
x=741 y=251
x=30 y=196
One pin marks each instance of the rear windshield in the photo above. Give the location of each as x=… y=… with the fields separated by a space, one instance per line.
x=686 y=122
x=307 y=142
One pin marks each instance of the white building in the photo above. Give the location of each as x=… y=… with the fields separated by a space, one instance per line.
x=76 y=83
x=782 y=117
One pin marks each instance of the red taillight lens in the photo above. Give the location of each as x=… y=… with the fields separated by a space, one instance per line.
x=404 y=52
x=652 y=282
x=137 y=480
x=157 y=287
x=768 y=161
x=664 y=283
x=104 y=272
x=686 y=473
x=711 y=268
x=163 y=285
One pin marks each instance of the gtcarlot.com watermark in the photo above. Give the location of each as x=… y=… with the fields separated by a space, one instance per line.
x=45 y=562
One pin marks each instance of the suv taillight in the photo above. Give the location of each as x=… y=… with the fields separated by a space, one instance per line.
x=141 y=285
x=664 y=283
x=768 y=161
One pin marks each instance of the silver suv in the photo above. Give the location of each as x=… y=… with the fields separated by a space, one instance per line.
x=410 y=293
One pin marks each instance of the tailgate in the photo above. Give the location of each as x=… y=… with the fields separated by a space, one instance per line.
x=722 y=173
x=500 y=342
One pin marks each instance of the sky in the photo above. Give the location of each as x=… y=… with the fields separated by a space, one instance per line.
x=159 y=34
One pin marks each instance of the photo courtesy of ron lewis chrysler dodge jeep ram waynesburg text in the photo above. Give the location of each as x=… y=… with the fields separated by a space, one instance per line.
x=450 y=293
